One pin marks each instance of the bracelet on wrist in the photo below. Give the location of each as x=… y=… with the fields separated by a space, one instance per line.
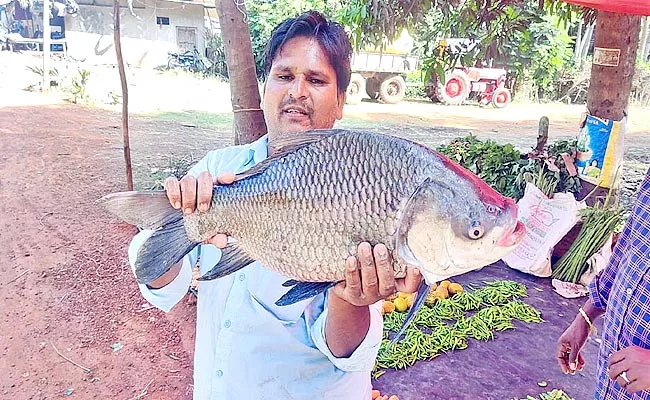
x=592 y=328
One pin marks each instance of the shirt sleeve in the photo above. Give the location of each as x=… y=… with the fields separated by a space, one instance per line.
x=363 y=358
x=167 y=296
x=601 y=286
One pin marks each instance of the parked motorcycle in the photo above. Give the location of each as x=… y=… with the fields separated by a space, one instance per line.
x=190 y=60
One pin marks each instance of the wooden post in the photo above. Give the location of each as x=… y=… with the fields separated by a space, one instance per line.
x=47 y=38
x=125 y=95
x=542 y=134
x=248 y=120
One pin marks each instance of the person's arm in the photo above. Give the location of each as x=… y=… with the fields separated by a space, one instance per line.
x=570 y=344
x=165 y=296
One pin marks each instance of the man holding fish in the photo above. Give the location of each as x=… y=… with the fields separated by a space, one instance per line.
x=290 y=299
x=246 y=346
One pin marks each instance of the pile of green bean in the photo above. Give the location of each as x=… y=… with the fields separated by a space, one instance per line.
x=448 y=324
x=599 y=223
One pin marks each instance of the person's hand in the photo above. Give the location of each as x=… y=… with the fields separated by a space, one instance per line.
x=192 y=193
x=631 y=363
x=569 y=346
x=369 y=277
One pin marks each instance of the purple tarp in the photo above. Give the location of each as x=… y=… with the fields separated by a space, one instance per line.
x=509 y=366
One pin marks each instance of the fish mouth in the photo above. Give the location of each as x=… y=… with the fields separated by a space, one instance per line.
x=514 y=236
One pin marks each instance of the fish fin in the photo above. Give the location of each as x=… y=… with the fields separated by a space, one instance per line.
x=149 y=210
x=232 y=259
x=290 y=282
x=302 y=291
x=288 y=143
x=423 y=290
x=285 y=145
x=164 y=248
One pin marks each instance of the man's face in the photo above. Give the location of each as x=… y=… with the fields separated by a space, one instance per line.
x=301 y=92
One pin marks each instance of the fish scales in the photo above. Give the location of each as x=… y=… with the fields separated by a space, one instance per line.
x=347 y=184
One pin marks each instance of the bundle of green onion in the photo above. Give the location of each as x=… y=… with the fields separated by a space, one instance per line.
x=599 y=222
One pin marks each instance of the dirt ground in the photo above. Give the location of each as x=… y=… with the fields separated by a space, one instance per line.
x=73 y=323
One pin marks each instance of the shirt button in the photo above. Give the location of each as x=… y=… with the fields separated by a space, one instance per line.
x=629 y=291
x=227 y=323
x=219 y=373
x=242 y=277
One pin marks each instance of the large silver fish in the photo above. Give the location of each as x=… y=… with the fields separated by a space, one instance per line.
x=303 y=211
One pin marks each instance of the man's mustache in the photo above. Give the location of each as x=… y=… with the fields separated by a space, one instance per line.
x=297 y=103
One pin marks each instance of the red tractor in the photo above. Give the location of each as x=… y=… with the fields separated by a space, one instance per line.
x=487 y=85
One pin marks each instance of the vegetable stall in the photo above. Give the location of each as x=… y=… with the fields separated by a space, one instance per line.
x=491 y=334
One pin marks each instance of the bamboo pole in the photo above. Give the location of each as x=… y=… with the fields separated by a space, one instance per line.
x=47 y=38
x=125 y=95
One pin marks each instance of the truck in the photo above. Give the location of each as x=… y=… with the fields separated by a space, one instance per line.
x=380 y=76
x=383 y=76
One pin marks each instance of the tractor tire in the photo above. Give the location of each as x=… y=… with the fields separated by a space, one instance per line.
x=372 y=88
x=392 y=90
x=455 y=90
x=501 y=97
x=356 y=88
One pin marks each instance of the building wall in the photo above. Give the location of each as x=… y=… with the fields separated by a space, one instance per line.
x=144 y=43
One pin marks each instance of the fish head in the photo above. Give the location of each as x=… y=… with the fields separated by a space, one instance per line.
x=456 y=223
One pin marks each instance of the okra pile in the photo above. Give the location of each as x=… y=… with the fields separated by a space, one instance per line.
x=448 y=324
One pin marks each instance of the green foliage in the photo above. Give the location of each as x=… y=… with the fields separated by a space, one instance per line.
x=497 y=27
x=498 y=165
x=541 y=54
x=378 y=23
x=78 y=86
x=216 y=54
x=265 y=15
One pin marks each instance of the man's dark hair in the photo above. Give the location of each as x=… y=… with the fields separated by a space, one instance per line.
x=330 y=35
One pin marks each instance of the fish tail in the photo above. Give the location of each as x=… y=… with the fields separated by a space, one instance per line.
x=423 y=289
x=169 y=242
x=147 y=209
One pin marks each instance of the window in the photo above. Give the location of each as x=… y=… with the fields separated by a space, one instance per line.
x=162 y=20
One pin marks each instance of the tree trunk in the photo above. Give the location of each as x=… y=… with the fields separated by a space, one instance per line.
x=125 y=95
x=643 y=49
x=586 y=40
x=609 y=90
x=248 y=120
x=577 y=49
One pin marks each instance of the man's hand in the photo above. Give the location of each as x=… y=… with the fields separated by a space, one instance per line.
x=367 y=281
x=570 y=344
x=369 y=277
x=635 y=362
x=190 y=194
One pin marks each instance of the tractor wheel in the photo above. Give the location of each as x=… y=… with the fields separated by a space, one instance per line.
x=372 y=88
x=455 y=90
x=392 y=90
x=501 y=97
x=355 y=89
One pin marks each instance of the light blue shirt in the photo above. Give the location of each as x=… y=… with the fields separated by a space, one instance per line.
x=247 y=348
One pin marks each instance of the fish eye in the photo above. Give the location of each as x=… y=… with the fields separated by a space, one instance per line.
x=475 y=230
x=492 y=209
